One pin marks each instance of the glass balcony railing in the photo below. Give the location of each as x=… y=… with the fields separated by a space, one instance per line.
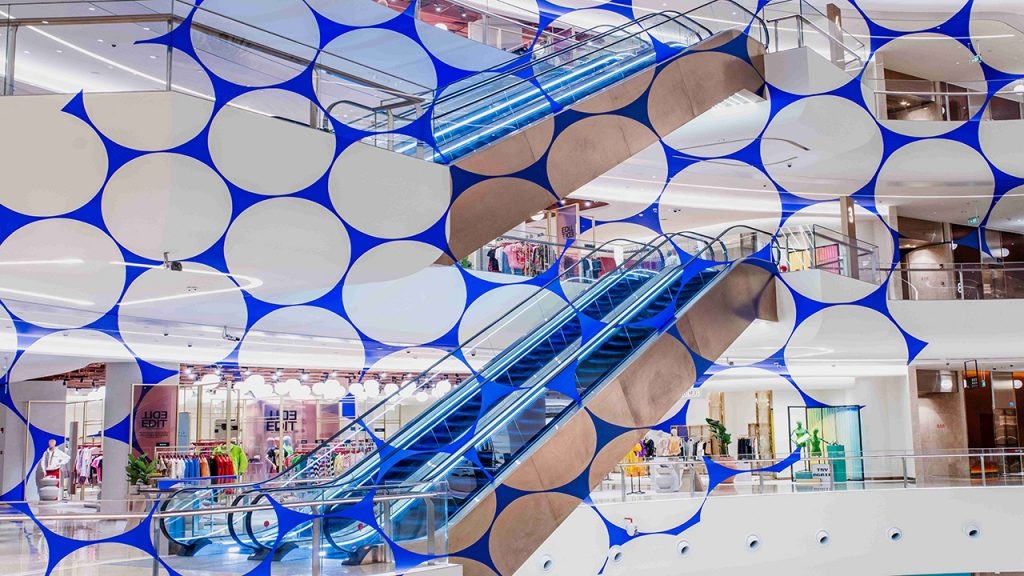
x=978 y=468
x=944 y=101
x=797 y=24
x=982 y=281
x=819 y=248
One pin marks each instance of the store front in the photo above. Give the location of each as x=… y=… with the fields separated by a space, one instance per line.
x=222 y=424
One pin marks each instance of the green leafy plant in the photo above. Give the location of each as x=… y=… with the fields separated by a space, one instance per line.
x=465 y=263
x=719 y=432
x=140 y=469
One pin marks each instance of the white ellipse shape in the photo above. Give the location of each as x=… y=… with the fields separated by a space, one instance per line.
x=55 y=165
x=382 y=56
x=354 y=12
x=642 y=8
x=152 y=121
x=832 y=342
x=999 y=138
x=410 y=311
x=391 y=261
x=1001 y=45
x=181 y=316
x=60 y=263
x=286 y=26
x=15 y=426
x=418 y=359
x=887 y=14
x=68 y=350
x=920 y=56
x=936 y=179
x=695 y=198
x=105 y=553
x=408 y=195
x=832 y=288
x=801 y=153
x=721 y=131
x=299 y=250
x=579 y=4
x=267 y=155
x=630 y=187
x=302 y=336
x=649 y=550
x=1008 y=213
x=454 y=50
x=166 y=203
x=8 y=342
x=578 y=548
x=504 y=315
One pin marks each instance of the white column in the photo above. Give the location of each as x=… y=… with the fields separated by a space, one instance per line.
x=117 y=403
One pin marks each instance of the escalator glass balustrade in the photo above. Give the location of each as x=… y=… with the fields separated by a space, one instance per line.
x=475 y=436
x=484 y=107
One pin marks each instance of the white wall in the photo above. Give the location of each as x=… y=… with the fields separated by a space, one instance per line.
x=932 y=522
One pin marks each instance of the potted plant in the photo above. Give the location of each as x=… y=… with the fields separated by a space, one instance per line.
x=140 y=471
x=722 y=437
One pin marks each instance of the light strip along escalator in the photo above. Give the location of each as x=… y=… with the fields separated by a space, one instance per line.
x=489 y=105
x=192 y=534
x=507 y=427
x=455 y=415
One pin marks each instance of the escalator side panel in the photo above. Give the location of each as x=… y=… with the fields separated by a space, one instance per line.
x=641 y=395
x=596 y=143
x=730 y=306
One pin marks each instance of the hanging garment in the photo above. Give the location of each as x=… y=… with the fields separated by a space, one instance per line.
x=492 y=261
x=238 y=457
x=632 y=458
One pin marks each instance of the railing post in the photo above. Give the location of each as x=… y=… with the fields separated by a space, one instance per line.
x=12 y=45
x=314 y=569
x=622 y=481
x=389 y=529
x=169 y=64
x=984 y=480
x=760 y=481
x=431 y=527
x=155 y=529
x=904 y=462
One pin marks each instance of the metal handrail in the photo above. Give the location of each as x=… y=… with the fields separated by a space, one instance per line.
x=529 y=66
x=803 y=20
x=665 y=240
x=628 y=307
x=354 y=424
x=174 y=18
x=222 y=509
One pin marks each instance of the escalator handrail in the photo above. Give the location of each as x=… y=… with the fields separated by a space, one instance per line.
x=568 y=273
x=629 y=308
x=531 y=63
x=336 y=483
x=626 y=267
x=630 y=305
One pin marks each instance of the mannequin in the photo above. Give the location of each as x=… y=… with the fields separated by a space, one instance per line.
x=800 y=436
x=54 y=459
x=275 y=455
x=815 y=442
x=675 y=444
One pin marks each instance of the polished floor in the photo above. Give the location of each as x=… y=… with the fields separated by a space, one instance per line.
x=24 y=552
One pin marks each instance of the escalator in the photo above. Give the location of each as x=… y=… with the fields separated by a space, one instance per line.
x=496 y=431
x=571 y=111
x=552 y=325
